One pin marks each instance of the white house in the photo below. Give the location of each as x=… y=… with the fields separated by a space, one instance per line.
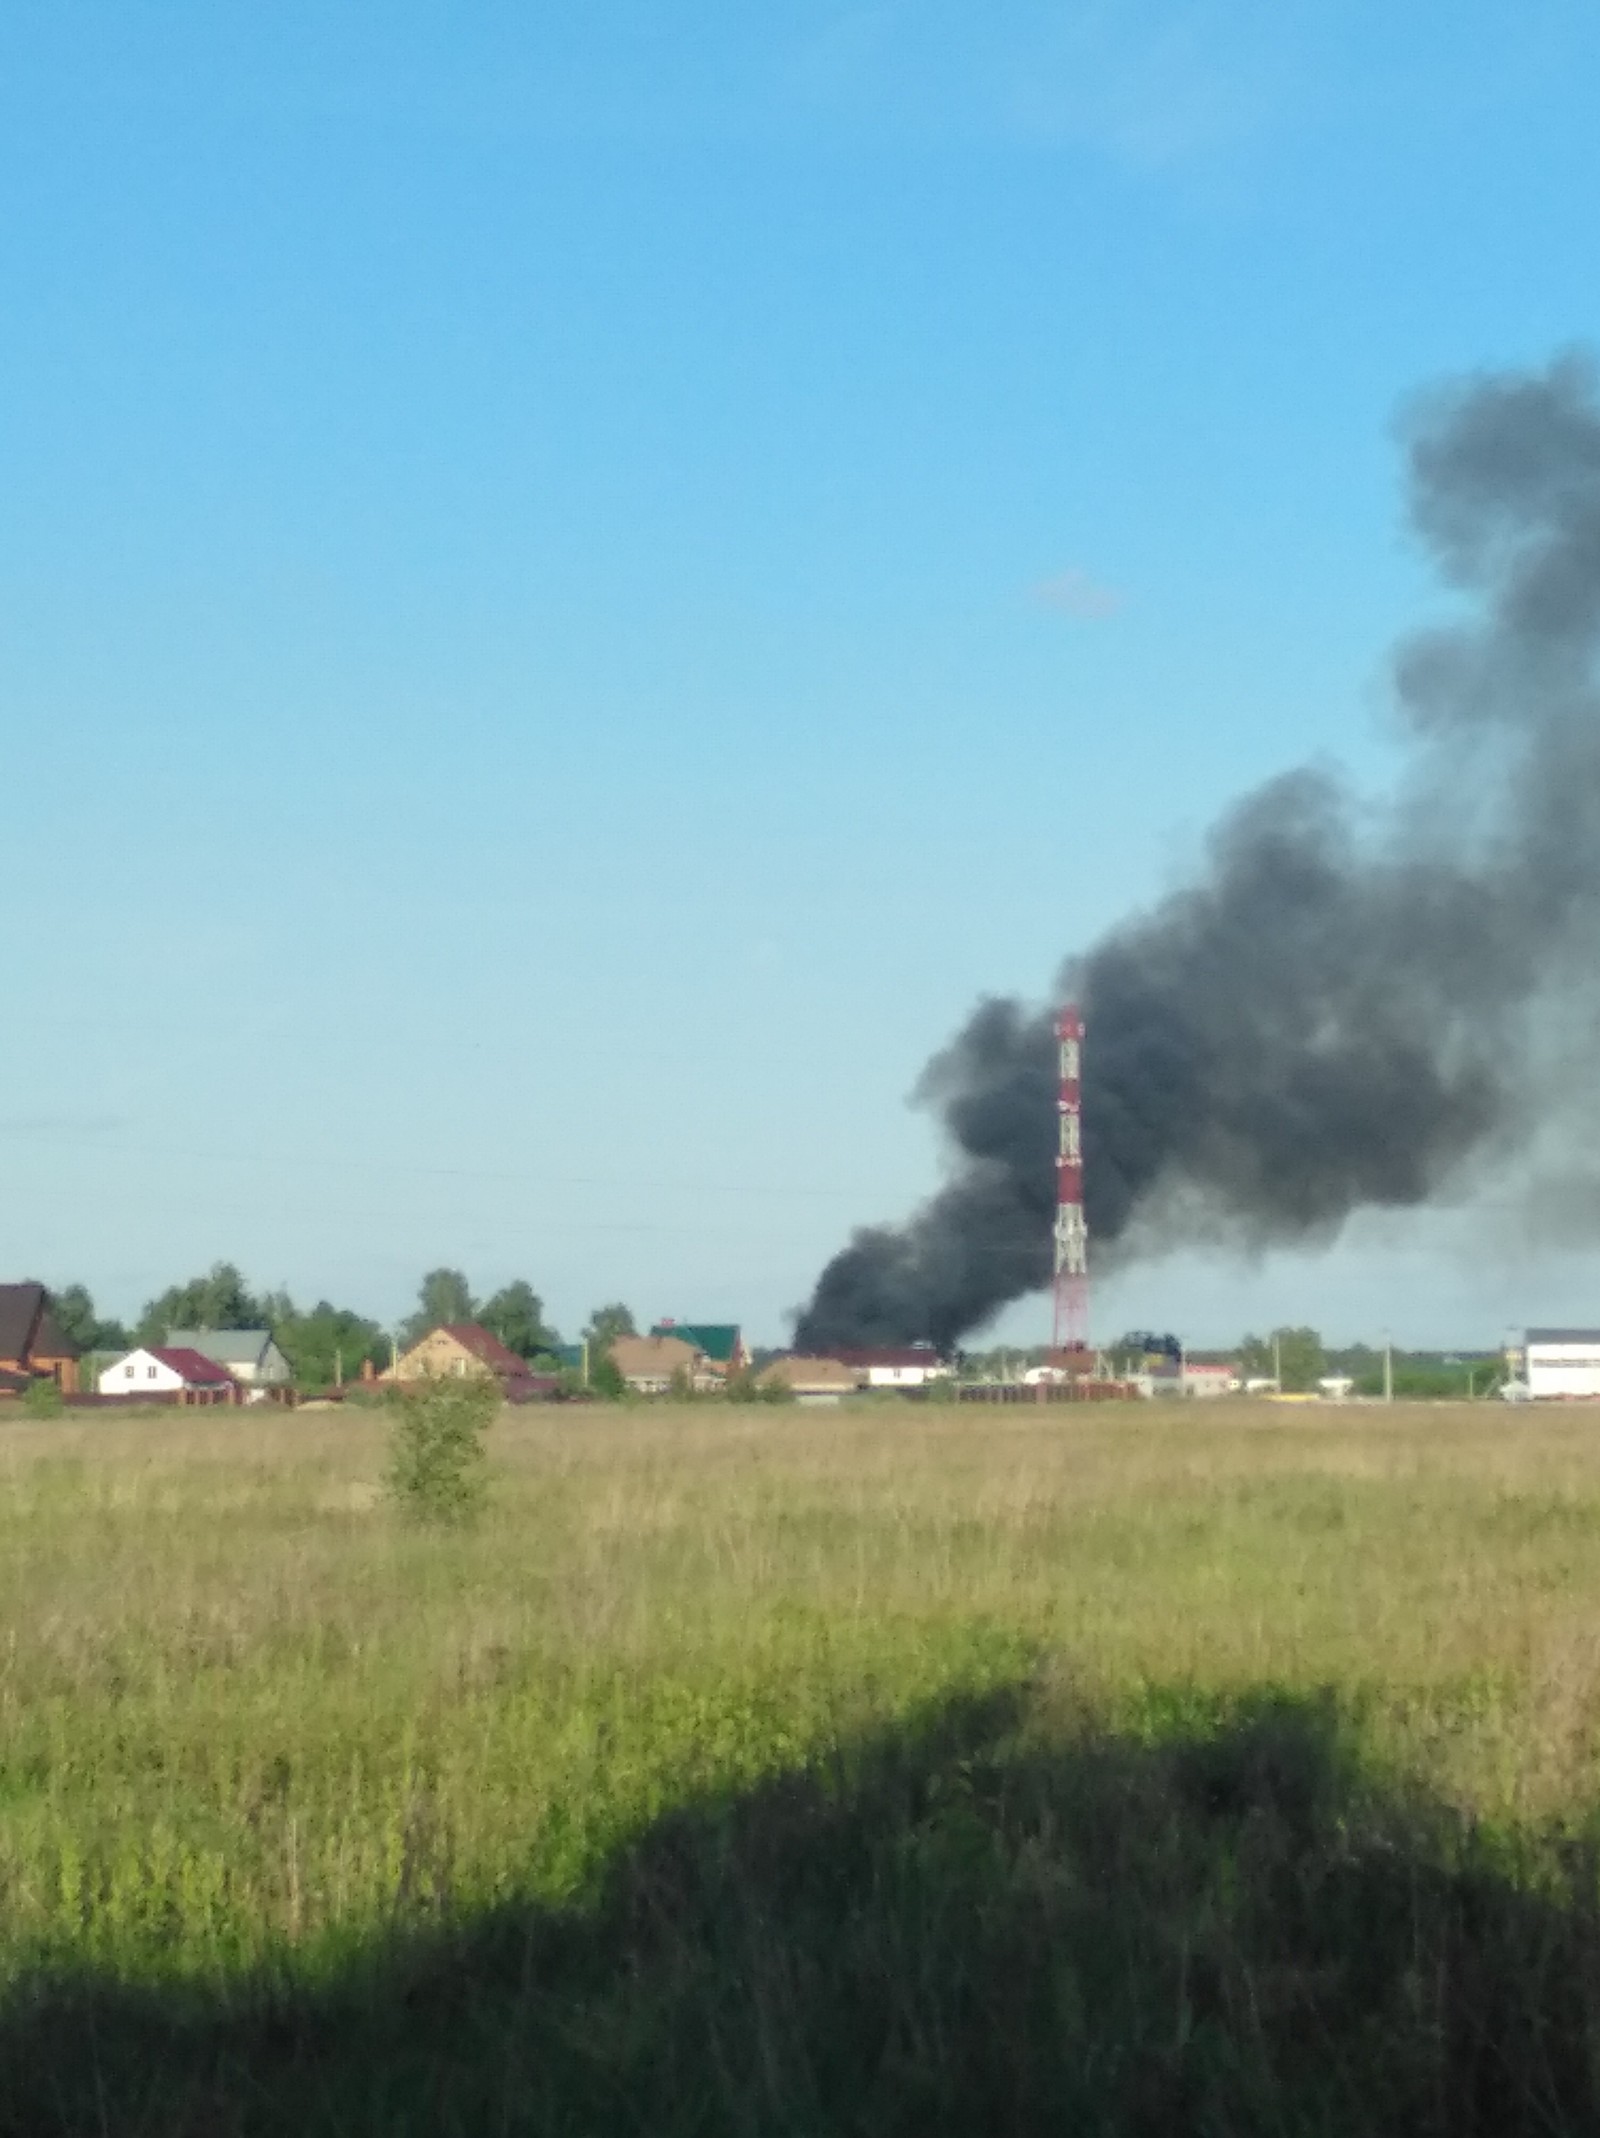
x=1200 y=1378
x=1562 y=1362
x=250 y=1355
x=894 y=1365
x=170 y=1370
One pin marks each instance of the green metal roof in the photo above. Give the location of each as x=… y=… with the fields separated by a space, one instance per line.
x=717 y=1339
x=229 y=1347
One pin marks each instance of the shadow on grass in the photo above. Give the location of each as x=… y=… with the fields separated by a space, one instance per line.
x=995 y=1921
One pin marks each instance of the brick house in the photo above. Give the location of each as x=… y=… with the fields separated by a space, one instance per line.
x=720 y=1343
x=649 y=1364
x=460 y=1350
x=32 y=1348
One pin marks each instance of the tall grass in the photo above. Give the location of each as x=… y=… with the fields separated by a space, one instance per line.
x=918 y=1682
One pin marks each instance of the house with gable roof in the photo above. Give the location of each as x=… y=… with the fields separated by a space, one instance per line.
x=32 y=1348
x=720 y=1343
x=651 y=1364
x=461 y=1350
x=250 y=1355
x=172 y=1373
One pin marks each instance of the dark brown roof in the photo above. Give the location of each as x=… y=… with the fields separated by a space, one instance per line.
x=20 y=1308
x=48 y=1341
x=27 y=1327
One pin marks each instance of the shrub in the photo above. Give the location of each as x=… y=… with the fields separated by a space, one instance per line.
x=605 y=1379
x=43 y=1399
x=747 y=1386
x=437 y=1456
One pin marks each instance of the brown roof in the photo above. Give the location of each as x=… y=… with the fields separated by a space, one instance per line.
x=27 y=1327
x=487 y=1349
x=652 y=1357
x=812 y=1376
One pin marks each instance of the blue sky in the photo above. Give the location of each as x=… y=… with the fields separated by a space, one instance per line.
x=576 y=584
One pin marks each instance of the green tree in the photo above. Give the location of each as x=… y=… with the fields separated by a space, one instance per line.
x=1296 y=1354
x=605 y=1378
x=327 y=1341
x=1255 y=1358
x=219 y=1300
x=443 y=1296
x=516 y=1315
x=603 y=1328
x=73 y=1310
x=438 y=1460
x=43 y=1399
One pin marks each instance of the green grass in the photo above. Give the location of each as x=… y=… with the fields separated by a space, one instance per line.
x=784 y=1771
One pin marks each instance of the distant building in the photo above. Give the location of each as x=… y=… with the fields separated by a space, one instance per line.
x=250 y=1355
x=173 y=1371
x=894 y=1365
x=813 y=1381
x=1203 y=1380
x=720 y=1343
x=649 y=1364
x=465 y=1350
x=32 y=1348
x=1562 y=1362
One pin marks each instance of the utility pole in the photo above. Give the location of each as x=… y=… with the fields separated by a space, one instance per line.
x=1277 y=1361
x=1388 y=1368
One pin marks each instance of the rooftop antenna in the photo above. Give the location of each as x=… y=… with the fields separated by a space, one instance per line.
x=1072 y=1233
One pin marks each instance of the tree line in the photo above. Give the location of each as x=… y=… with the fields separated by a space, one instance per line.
x=324 y=1342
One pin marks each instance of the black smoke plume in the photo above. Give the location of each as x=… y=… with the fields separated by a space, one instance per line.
x=1339 y=1013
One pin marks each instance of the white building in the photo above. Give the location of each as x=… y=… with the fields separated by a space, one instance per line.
x=1562 y=1362
x=894 y=1365
x=250 y=1355
x=1203 y=1380
x=169 y=1370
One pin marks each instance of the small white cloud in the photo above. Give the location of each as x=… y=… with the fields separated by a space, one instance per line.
x=1074 y=593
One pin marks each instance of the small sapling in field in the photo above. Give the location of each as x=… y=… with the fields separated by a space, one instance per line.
x=43 y=1399
x=438 y=1461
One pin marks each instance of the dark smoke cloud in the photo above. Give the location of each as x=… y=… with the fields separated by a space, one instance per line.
x=1337 y=1014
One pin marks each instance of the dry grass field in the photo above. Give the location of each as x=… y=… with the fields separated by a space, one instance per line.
x=884 y=1771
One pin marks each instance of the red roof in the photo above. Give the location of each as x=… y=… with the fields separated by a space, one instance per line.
x=193 y=1367
x=486 y=1349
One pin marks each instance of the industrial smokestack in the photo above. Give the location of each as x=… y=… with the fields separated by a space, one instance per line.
x=1337 y=1014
